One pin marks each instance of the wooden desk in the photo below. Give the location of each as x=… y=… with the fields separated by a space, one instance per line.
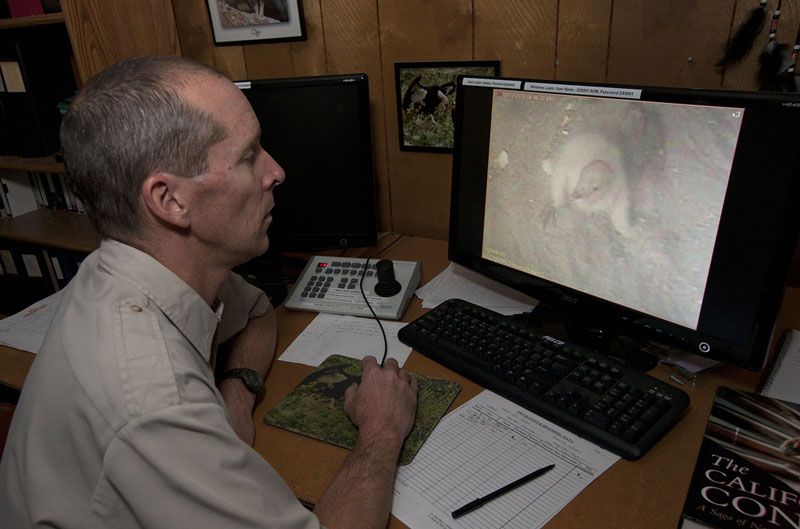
x=646 y=493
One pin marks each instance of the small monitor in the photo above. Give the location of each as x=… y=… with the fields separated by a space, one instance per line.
x=318 y=129
x=663 y=214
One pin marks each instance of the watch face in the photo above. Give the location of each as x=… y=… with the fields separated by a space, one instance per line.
x=253 y=381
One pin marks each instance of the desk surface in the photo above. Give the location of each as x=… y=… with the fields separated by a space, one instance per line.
x=645 y=493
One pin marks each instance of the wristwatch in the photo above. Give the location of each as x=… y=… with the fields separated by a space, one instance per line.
x=250 y=378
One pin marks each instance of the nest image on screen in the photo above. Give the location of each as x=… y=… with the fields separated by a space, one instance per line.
x=609 y=188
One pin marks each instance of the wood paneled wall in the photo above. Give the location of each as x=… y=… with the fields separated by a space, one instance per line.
x=105 y=31
x=652 y=42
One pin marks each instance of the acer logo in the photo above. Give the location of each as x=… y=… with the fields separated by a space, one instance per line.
x=570 y=299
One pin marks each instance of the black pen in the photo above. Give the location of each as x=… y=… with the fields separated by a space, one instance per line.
x=474 y=504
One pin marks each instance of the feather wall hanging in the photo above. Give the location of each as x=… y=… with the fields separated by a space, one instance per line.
x=745 y=35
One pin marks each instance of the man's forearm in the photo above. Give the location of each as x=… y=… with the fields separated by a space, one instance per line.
x=254 y=347
x=360 y=495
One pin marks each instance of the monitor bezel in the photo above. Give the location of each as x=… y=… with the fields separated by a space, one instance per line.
x=619 y=319
x=312 y=242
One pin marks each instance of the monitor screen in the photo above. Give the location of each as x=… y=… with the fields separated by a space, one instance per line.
x=666 y=213
x=318 y=129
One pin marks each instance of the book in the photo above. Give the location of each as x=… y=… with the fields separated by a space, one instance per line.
x=747 y=473
x=25 y=8
x=782 y=379
x=315 y=408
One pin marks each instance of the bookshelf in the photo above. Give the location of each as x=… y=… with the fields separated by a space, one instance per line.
x=46 y=164
x=35 y=20
x=54 y=229
x=40 y=252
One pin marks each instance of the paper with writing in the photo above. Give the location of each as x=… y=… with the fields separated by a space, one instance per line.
x=482 y=445
x=335 y=334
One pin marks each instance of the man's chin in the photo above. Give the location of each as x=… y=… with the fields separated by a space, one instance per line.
x=250 y=254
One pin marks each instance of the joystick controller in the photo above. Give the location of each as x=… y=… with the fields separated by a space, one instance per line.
x=332 y=285
x=387 y=286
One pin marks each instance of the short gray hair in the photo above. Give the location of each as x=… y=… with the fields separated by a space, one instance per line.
x=128 y=122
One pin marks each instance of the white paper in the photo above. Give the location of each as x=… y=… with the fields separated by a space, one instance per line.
x=26 y=329
x=485 y=444
x=462 y=283
x=783 y=378
x=330 y=334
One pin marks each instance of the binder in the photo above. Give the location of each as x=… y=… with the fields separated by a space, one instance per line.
x=64 y=265
x=37 y=73
x=5 y=209
x=19 y=193
x=26 y=276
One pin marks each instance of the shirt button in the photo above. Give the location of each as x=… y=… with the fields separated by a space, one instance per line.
x=136 y=308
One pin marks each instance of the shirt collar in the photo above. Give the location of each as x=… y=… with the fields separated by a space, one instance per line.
x=177 y=300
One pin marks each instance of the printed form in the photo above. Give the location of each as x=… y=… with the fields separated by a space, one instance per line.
x=483 y=445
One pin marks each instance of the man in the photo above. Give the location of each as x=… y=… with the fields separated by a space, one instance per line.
x=120 y=423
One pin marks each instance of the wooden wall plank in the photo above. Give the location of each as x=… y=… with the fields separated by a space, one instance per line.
x=290 y=59
x=743 y=75
x=420 y=30
x=352 y=45
x=230 y=60
x=352 y=42
x=268 y=61
x=583 y=31
x=104 y=31
x=668 y=43
x=308 y=56
x=522 y=34
x=194 y=30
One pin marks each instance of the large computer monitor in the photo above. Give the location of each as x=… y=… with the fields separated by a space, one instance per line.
x=318 y=129
x=661 y=214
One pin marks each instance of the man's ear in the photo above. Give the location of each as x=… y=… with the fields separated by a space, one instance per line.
x=164 y=197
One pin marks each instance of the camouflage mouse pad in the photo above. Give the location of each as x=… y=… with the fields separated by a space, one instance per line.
x=316 y=406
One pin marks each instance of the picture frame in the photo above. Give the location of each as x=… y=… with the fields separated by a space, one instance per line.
x=244 y=21
x=425 y=117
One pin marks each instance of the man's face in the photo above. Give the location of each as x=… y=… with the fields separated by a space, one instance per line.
x=232 y=200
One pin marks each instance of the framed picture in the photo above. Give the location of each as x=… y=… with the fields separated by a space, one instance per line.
x=242 y=21
x=426 y=100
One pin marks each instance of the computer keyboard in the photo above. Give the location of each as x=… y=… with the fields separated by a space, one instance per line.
x=618 y=407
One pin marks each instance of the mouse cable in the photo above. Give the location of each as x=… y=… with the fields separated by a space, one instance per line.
x=361 y=287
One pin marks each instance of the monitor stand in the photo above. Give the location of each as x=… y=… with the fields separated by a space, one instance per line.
x=593 y=332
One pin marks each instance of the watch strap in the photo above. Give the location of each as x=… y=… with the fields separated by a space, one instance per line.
x=249 y=377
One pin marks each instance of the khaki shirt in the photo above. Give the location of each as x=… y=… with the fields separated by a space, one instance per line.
x=120 y=423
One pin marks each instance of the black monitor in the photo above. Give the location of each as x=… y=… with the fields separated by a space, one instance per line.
x=660 y=214
x=318 y=129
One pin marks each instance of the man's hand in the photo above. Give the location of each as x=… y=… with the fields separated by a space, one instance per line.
x=384 y=404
